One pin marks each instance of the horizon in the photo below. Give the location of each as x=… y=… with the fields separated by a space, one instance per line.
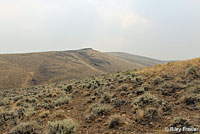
x=138 y=27
x=95 y=50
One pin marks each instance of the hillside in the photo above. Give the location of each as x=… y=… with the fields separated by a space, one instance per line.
x=145 y=101
x=23 y=70
x=145 y=61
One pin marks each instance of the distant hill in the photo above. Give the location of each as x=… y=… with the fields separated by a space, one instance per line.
x=145 y=61
x=23 y=70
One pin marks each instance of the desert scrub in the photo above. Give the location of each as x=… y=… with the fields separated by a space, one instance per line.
x=106 y=98
x=123 y=87
x=97 y=110
x=180 y=122
x=66 y=126
x=139 y=91
x=118 y=103
x=145 y=100
x=4 y=102
x=193 y=72
x=68 y=89
x=29 y=112
x=137 y=80
x=115 y=121
x=31 y=100
x=6 y=116
x=147 y=115
x=62 y=100
x=157 y=80
x=26 y=128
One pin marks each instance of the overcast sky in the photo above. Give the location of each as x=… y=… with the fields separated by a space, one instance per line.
x=162 y=29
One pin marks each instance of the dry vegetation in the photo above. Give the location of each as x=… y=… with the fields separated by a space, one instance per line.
x=24 y=70
x=132 y=102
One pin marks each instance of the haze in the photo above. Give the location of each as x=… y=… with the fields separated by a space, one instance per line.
x=162 y=29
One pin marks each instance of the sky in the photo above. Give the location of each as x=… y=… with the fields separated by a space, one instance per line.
x=161 y=29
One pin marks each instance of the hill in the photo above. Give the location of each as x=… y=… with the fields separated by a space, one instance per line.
x=145 y=61
x=23 y=70
x=150 y=100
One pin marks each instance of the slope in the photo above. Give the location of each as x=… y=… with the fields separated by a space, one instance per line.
x=22 y=70
x=145 y=61
x=149 y=100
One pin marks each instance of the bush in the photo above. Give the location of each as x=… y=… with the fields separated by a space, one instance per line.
x=157 y=80
x=147 y=99
x=181 y=123
x=6 y=116
x=62 y=100
x=139 y=91
x=4 y=102
x=26 y=128
x=123 y=87
x=192 y=71
x=106 y=98
x=148 y=115
x=118 y=103
x=97 y=110
x=66 y=126
x=115 y=121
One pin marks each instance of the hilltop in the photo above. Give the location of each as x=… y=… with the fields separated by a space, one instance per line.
x=140 y=101
x=29 y=69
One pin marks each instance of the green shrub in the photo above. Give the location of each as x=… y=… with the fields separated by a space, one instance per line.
x=62 y=100
x=66 y=126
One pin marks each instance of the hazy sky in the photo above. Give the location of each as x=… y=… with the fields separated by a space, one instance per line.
x=162 y=29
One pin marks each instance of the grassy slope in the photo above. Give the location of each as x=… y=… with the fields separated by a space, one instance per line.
x=145 y=61
x=169 y=92
x=22 y=70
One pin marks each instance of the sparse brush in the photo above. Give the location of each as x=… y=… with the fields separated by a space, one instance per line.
x=106 y=98
x=99 y=110
x=26 y=128
x=146 y=99
x=139 y=91
x=66 y=126
x=62 y=100
x=115 y=121
x=6 y=116
x=147 y=115
x=123 y=87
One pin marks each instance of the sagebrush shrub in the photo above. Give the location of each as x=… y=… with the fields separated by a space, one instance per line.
x=66 y=126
